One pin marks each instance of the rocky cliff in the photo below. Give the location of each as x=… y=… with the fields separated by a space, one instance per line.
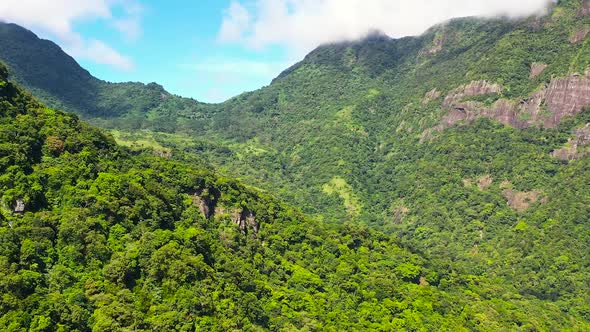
x=546 y=108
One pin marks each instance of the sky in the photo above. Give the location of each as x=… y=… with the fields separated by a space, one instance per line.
x=212 y=50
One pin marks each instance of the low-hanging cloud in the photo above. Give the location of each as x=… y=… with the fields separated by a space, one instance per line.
x=304 y=24
x=56 y=19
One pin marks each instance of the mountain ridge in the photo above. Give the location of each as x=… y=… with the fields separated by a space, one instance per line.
x=479 y=225
x=355 y=92
x=95 y=238
x=383 y=74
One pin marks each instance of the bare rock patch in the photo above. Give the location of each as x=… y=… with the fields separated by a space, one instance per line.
x=522 y=200
x=574 y=148
x=546 y=107
x=430 y=96
x=537 y=69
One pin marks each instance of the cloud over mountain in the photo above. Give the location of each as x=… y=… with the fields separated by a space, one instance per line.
x=56 y=19
x=304 y=24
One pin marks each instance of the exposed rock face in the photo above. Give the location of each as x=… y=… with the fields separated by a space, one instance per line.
x=585 y=10
x=204 y=204
x=546 y=107
x=430 y=96
x=579 y=35
x=521 y=201
x=19 y=206
x=572 y=150
x=582 y=135
x=504 y=111
x=206 y=200
x=243 y=218
x=537 y=69
x=566 y=153
x=567 y=97
x=475 y=88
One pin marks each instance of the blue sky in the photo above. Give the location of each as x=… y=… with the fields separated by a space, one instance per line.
x=212 y=50
x=179 y=48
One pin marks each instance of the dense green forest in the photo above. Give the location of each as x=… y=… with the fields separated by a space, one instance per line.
x=338 y=116
x=97 y=237
x=437 y=182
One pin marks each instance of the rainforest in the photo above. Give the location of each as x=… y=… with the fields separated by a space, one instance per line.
x=439 y=182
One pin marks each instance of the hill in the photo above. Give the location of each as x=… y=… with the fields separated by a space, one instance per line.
x=56 y=78
x=336 y=118
x=95 y=238
x=467 y=145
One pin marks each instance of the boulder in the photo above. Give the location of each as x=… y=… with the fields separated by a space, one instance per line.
x=19 y=206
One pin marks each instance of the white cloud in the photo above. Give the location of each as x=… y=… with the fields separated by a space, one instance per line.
x=130 y=24
x=130 y=27
x=235 y=21
x=99 y=52
x=56 y=18
x=222 y=66
x=304 y=24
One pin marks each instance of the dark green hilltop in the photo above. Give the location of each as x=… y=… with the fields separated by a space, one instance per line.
x=430 y=183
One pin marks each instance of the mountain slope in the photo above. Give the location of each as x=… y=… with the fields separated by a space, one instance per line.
x=56 y=78
x=46 y=70
x=93 y=238
x=469 y=144
x=278 y=135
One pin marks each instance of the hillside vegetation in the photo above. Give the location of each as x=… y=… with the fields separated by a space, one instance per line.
x=341 y=113
x=441 y=182
x=93 y=238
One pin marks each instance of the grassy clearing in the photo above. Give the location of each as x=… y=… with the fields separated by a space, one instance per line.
x=340 y=187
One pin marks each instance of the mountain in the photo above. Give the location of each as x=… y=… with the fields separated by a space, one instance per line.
x=468 y=146
x=95 y=238
x=335 y=120
x=57 y=79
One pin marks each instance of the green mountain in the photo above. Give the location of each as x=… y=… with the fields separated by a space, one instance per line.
x=468 y=146
x=95 y=238
x=55 y=77
x=338 y=118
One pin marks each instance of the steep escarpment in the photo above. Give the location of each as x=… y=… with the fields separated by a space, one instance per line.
x=547 y=107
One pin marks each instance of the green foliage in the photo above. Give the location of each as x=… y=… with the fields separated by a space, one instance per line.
x=111 y=241
x=114 y=239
